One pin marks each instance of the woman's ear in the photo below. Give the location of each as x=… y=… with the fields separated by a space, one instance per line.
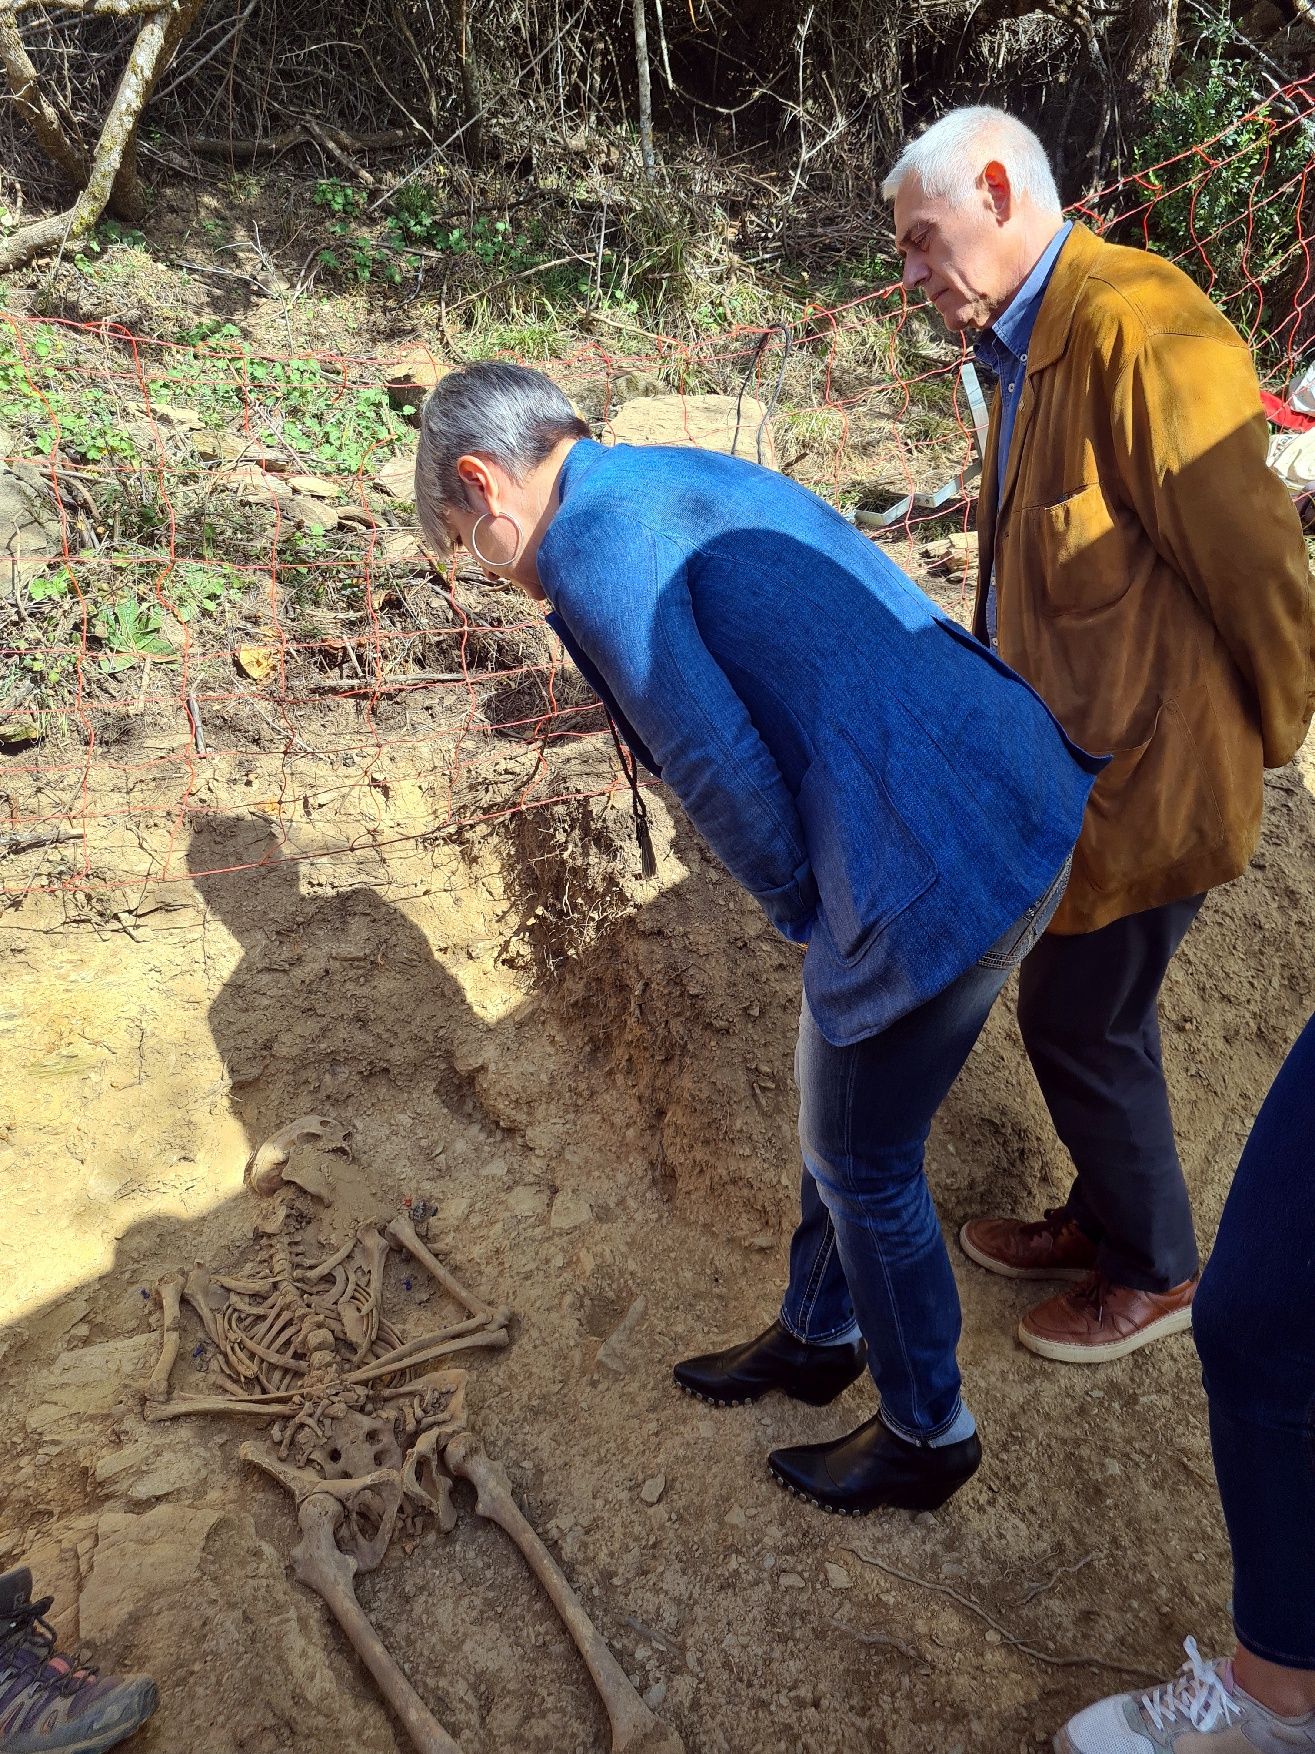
x=477 y=478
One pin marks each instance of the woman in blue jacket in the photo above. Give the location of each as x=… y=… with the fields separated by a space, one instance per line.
x=893 y=795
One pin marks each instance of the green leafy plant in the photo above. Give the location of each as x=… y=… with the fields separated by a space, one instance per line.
x=50 y=587
x=1227 y=215
x=130 y=630
x=340 y=198
x=195 y=590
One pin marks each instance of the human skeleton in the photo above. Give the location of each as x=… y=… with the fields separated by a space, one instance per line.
x=365 y=1429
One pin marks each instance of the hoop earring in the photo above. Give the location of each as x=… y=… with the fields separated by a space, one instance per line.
x=483 y=559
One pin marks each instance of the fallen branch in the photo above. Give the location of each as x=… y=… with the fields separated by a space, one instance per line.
x=270 y=145
x=30 y=843
x=1082 y=1660
x=885 y=1641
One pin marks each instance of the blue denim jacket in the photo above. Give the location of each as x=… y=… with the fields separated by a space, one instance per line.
x=892 y=793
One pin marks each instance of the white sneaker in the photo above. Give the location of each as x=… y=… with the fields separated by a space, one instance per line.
x=1204 y=1705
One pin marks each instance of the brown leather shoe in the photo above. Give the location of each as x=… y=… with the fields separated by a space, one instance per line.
x=1050 y=1248
x=1099 y=1321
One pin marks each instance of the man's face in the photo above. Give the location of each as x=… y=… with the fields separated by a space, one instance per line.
x=963 y=258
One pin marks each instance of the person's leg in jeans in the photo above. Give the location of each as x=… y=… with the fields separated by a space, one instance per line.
x=864 y=1115
x=868 y=1255
x=869 y=1247
x=1257 y=1345
x=1087 y=1009
x=1255 y=1331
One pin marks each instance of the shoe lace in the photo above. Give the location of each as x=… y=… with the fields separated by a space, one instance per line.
x=27 y=1641
x=1196 y=1693
x=1094 y=1292
x=1052 y=1223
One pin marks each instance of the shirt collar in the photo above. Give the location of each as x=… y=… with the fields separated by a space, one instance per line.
x=1012 y=329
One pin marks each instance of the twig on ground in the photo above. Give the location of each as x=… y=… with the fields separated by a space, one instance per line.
x=1039 y=1589
x=886 y=1641
x=1079 y=1660
x=30 y=843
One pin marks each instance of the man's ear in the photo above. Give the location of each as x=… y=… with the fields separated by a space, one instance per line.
x=996 y=179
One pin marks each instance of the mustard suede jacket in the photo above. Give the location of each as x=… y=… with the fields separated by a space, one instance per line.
x=1151 y=575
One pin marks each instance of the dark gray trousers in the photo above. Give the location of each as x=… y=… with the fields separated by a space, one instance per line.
x=1087 y=1007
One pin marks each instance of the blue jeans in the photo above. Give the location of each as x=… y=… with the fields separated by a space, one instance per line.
x=1254 y=1321
x=868 y=1255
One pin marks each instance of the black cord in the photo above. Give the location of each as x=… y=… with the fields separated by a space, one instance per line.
x=764 y=342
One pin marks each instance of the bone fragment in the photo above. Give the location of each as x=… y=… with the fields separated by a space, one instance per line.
x=635 y=1730
x=374 y=1250
x=259 y=1406
x=265 y=1166
x=402 y=1232
x=206 y=1301
x=170 y=1293
x=495 y=1337
x=425 y=1483
x=612 y=1352
x=331 y=1262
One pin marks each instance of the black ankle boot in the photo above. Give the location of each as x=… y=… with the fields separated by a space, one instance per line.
x=871 y=1467
x=775 y=1360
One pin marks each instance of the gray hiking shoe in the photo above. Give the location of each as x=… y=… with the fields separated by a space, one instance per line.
x=48 y=1704
x=1203 y=1711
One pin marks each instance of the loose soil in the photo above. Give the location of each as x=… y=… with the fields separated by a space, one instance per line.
x=588 y=1080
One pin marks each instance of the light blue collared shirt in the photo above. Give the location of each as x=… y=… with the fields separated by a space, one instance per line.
x=1002 y=349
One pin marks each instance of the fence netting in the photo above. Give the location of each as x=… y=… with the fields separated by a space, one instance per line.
x=214 y=598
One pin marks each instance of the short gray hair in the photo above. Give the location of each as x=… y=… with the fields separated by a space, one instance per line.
x=511 y=414
x=950 y=157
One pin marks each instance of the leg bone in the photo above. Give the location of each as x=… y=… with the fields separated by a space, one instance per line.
x=403 y=1233
x=322 y=1566
x=634 y=1728
x=170 y=1293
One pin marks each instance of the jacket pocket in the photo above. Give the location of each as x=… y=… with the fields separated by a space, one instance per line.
x=1078 y=551
x=868 y=864
x=1154 y=806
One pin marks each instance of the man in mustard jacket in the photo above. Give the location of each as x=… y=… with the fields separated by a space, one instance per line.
x=1145 y=570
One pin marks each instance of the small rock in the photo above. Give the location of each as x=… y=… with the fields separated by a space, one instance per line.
x=656 y=1695
x=170 y=1474
x=315 y=485
x=612 y=1352
x=736 y=1518
x=838 y=1577
x=993 y=1638
x=952 y=1568
x=526 y=1201
x=569 y=1211
x=122 y=1461
x=309 y=514
x=653 y=1489
x=791 y=1580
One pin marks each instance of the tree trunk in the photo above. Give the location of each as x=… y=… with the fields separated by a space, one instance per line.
x=1152 y=42
x=120 y=124
x=472 y=134
x=63 y=149
x=127 y=198
x=645 y=91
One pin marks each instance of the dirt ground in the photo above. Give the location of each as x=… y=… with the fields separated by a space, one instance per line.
x=589 y=1081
